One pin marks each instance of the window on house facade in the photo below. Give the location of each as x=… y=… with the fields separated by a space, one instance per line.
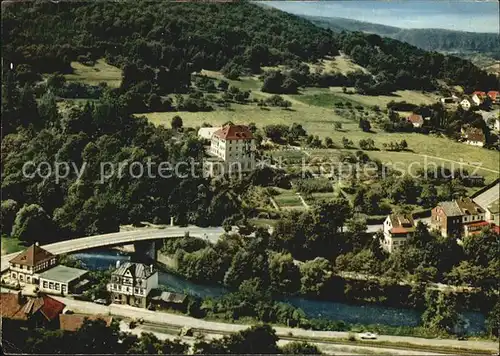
x=45 y=284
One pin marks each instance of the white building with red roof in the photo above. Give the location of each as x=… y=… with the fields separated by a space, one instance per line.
x=416 y=120
x=397 y=228
x=232 y=151
x=478 y=97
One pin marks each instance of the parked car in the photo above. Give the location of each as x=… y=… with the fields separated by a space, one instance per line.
x=101 y=301
x=368 y=336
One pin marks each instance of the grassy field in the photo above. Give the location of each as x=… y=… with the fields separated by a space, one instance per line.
x=93 y=75
x=288 y=200
x=314 y=109
x=410 y=96
x=10 y=245
x=339 y=63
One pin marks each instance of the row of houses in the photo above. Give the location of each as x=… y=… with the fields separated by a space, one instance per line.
x=458 y=218
x=41 y=311
x=39 y=267
x=131 y=283
x=476 y=98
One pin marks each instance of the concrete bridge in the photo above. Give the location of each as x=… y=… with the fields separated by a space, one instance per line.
x=122 y=238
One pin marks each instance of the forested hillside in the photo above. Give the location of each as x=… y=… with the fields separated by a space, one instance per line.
x=430 y=39
x=176 y=39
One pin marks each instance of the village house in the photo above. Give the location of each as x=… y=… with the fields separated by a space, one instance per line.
x=397 y=228
x=451 y=218
x=232 y=150
x=63 y=280
x=494 y=96
x=416 y=120
x=40 y=311
x=131 y=283
x=478 y=97
x=73 y=322
x=27 y=265
x=473 y=136
x=466 y=103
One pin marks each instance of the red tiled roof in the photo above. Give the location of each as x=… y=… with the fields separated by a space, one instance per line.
x=415 y=119
x=477 y=224
x=32 y=256
x=475 y=134
x=399 y=230
x=73 y=322
x=13 y=307
x=493 y=94
x=479 y=93
x=51 y=308
x=234 y=132
x=496 y=229
x=10 y=307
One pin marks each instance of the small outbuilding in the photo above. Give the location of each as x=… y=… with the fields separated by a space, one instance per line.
x=171 y=300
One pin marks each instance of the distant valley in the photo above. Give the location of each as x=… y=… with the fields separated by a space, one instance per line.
x=481 y=48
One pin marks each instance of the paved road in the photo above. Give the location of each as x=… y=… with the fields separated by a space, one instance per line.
x=122 y=238
x=325 y=348
x=181 y=320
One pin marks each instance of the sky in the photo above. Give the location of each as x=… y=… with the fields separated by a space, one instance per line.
x=464 y=15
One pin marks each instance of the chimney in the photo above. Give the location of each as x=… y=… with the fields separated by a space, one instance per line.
x=118 y=264
x=171 y=221
x=151 y=268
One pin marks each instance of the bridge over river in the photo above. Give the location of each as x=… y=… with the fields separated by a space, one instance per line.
x=123 y=238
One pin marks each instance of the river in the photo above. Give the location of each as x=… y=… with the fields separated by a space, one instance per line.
x=361 y=314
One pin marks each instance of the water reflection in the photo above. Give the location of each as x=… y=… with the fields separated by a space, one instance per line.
x=362 y=314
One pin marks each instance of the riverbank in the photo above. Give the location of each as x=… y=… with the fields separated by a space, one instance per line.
x=167 y=319
x=324 y=315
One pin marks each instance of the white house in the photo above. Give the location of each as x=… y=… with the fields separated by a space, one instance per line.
x=27 y=265
x=232 y=150
x=466 y=104
x=476 y=99
x=131 y=283
x=397 y=228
